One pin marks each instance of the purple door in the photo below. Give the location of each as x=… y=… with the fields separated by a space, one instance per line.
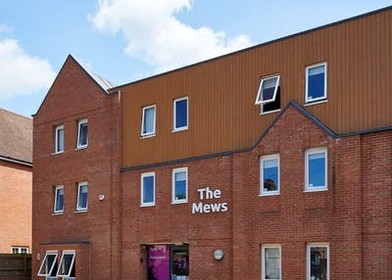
x=158 y=262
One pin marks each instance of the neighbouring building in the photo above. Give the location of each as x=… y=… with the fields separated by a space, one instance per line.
x=273 y=162
x=16 y=135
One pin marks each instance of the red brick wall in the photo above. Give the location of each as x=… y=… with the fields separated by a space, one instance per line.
x=99 y=165
x=15 y=205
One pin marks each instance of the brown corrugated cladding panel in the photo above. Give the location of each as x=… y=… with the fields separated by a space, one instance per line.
x=222 y=91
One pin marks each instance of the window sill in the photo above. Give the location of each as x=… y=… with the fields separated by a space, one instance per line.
x=147 y=205
x=269 y=112
x=316 y=102
x=147 y=136
x=57 y=213
x=58 y=153
x=180 y=129
x=81 y=211
x=309 y=190
x=81 y=148
x=269 y=194
x=179 y=202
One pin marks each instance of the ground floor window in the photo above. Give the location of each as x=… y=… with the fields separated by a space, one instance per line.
x=168 y=262
x=53 y=267
x=271 y=262
x=318 y=261
x=19 y=250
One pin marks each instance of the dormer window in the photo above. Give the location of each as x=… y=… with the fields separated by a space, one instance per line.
x=268 y=95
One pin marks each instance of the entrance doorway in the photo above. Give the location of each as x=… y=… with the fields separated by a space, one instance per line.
x=168 y=262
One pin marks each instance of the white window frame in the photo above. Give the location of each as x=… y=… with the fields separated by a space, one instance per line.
x=152 y=133
x=308 y=266
x=263 y=260
x=262 y=160
x=78 y=144
x=259 y=96
x=56 y=143
x=68 y=275
x=325 y=96
x=78 y=207
x=19 y=249
x=47 y=274
x=174 y=172
x=309 y=152
x=57 y=188
x=142 y=176
x=175 y=127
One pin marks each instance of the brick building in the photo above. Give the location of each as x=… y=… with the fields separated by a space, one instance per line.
x=16 y=134
x=269 y=163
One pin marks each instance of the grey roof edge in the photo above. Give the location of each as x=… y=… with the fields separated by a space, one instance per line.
x=17 y=161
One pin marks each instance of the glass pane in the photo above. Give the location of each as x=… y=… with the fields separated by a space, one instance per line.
x=316 y=176
x=149 y=116
x=66 y=265
x=272 y=263
x=83 y=129
x=270 y=174
x=148 y=189
x=180 y=185
x=316 y=82
x=268 y=89
x=83 y=196
x=60 y=199
x=180 y=261
x=60 y=140
x=318 y=263
x=181 y=113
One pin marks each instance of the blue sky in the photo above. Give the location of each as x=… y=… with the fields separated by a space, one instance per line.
x=126 y=40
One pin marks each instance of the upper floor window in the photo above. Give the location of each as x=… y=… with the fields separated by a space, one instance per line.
x=268 y=95
x=59 y=139
x=148 y=121
x=181 y=114
x=180 y=185
x=49 y=265
x=271 y=262
x=82 y=197
x=316 y=169
x=59 y=199
x=318 y=261
x=147 y=189
x=269 y=175
x=82 y=134
x=67 y=265
x=316 y=82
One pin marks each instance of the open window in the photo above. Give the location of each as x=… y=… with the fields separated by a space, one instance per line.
x=67 y=265
x=268 y=95
x=148 y=121
x=49 y=265
x=82 y=201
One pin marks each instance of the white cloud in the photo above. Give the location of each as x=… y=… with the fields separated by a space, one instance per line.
x=21 y=73
x=5 y=28
x=154 y=33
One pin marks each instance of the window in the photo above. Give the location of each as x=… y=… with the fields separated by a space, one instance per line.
x=59 y=139
x=148 y=121
x=316 y=169
x=59 y=199
x=268 y=95
x=271 y=262
x=269 y=175
x=148 y=189
x=67 y=265
x=316 y=82
x=19 y=250
x=82 y=196
x=180 y=185
x=318 y=261
x=49 y=265
x=181 y=114
x=82 y=134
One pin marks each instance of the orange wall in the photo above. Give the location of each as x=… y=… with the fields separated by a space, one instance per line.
x=15 y=206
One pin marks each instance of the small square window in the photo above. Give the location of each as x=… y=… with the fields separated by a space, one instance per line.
x=148 y=121
x=148 y=189
x=82 y=134
x=59 y=139
x=180 y=185
x=269 y=175
x=318 y=261
x=271 y=262
x=19 y=250
x=316 y=82
x=67 y=265
x=316 y=169
x=59 y=199
x=181 y=114
x=82 y=196
x=49 y=265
